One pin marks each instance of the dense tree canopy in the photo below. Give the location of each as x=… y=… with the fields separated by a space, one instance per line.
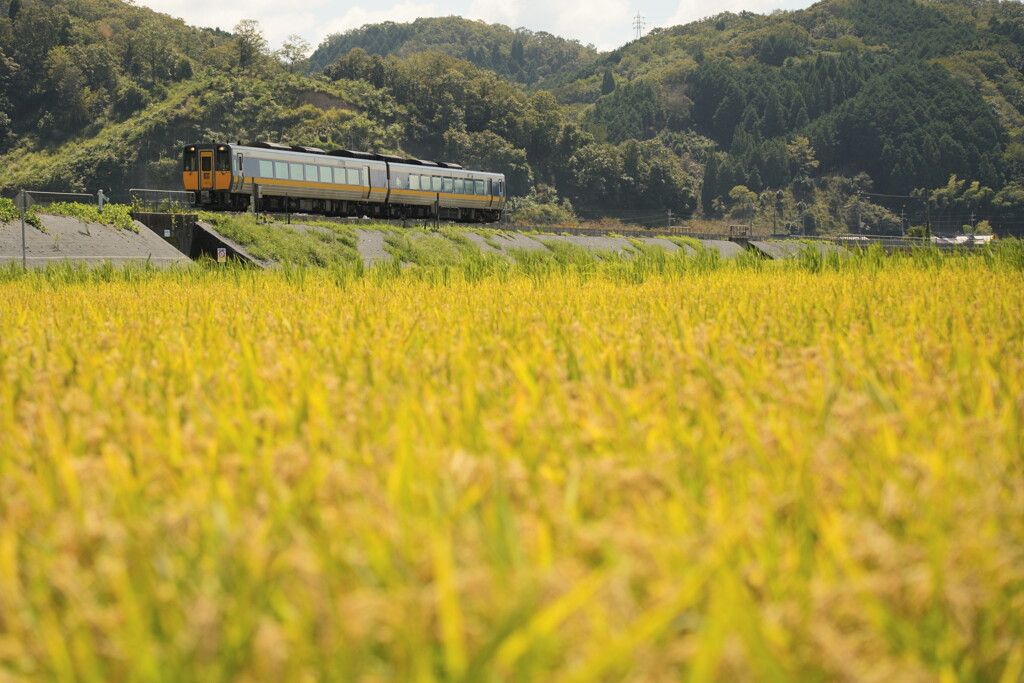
x=520 y=55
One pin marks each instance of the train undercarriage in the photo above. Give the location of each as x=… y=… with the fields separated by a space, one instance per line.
x=233 y=201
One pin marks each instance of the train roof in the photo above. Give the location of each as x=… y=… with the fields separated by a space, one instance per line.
x=355 y=154
x=270 y=145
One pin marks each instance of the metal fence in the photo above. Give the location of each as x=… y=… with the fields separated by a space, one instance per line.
x=26 y=199
x=161 y=200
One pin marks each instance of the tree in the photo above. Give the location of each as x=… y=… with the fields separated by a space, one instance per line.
x=633 y=111
x=518 y=53
x=250 y=42
x=608 y=84
x=709 y=188
x=773 y=123
x=542 y=207
x=742 y=199
x=293 y=52
x=801 y=156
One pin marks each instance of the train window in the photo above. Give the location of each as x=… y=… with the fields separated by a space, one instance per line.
x=190 y=161
x=339 y=176
x=459 y=186
x=223 y=161
x=414 y=182
x=354 y=176
x=435 y=184
x=326 y=175
x=281 y=170
x=295 y=172
x=446 y=185
x=266 y=169
x=238 y=159
x=207 y=163
x=312 y=173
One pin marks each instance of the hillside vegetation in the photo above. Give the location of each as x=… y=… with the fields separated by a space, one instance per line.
x=879 y=116
x=521 y=55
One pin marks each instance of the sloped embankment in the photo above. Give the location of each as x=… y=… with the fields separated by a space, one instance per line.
x=64 y=238
x=327 y=243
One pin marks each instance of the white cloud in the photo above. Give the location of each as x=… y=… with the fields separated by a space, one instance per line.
x=492 y=12
x=607 y=24
x=595 y=18
x=314 y=20
x=693 y=10
x=600 y=22
x=401 y=13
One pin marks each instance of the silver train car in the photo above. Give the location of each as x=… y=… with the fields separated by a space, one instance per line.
x=280 y=178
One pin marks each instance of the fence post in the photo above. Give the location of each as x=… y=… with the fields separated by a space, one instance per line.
x=22 y=202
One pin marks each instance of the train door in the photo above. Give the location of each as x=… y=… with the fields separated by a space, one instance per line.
x=222 y=169
x=190 y=169
x=206 y=169
x=498 y=195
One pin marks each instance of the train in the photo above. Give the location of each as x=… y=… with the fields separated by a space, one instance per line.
x=268 y=176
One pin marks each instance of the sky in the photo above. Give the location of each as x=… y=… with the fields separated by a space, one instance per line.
x=605 y=24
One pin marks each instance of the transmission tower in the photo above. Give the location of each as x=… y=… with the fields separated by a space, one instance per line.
x=638 y=25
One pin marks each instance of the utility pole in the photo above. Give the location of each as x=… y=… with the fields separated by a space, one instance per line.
x=860 y=224
x=670 y=218
x=22 y=201
x=638 y=25
x=902 y=221
x=972 y=222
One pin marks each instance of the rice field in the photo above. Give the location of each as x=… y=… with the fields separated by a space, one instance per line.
x=540 y=471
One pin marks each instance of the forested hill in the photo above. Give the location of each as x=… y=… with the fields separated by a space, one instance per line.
x=521 y=55
x=843 y=116
x=907 y=92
